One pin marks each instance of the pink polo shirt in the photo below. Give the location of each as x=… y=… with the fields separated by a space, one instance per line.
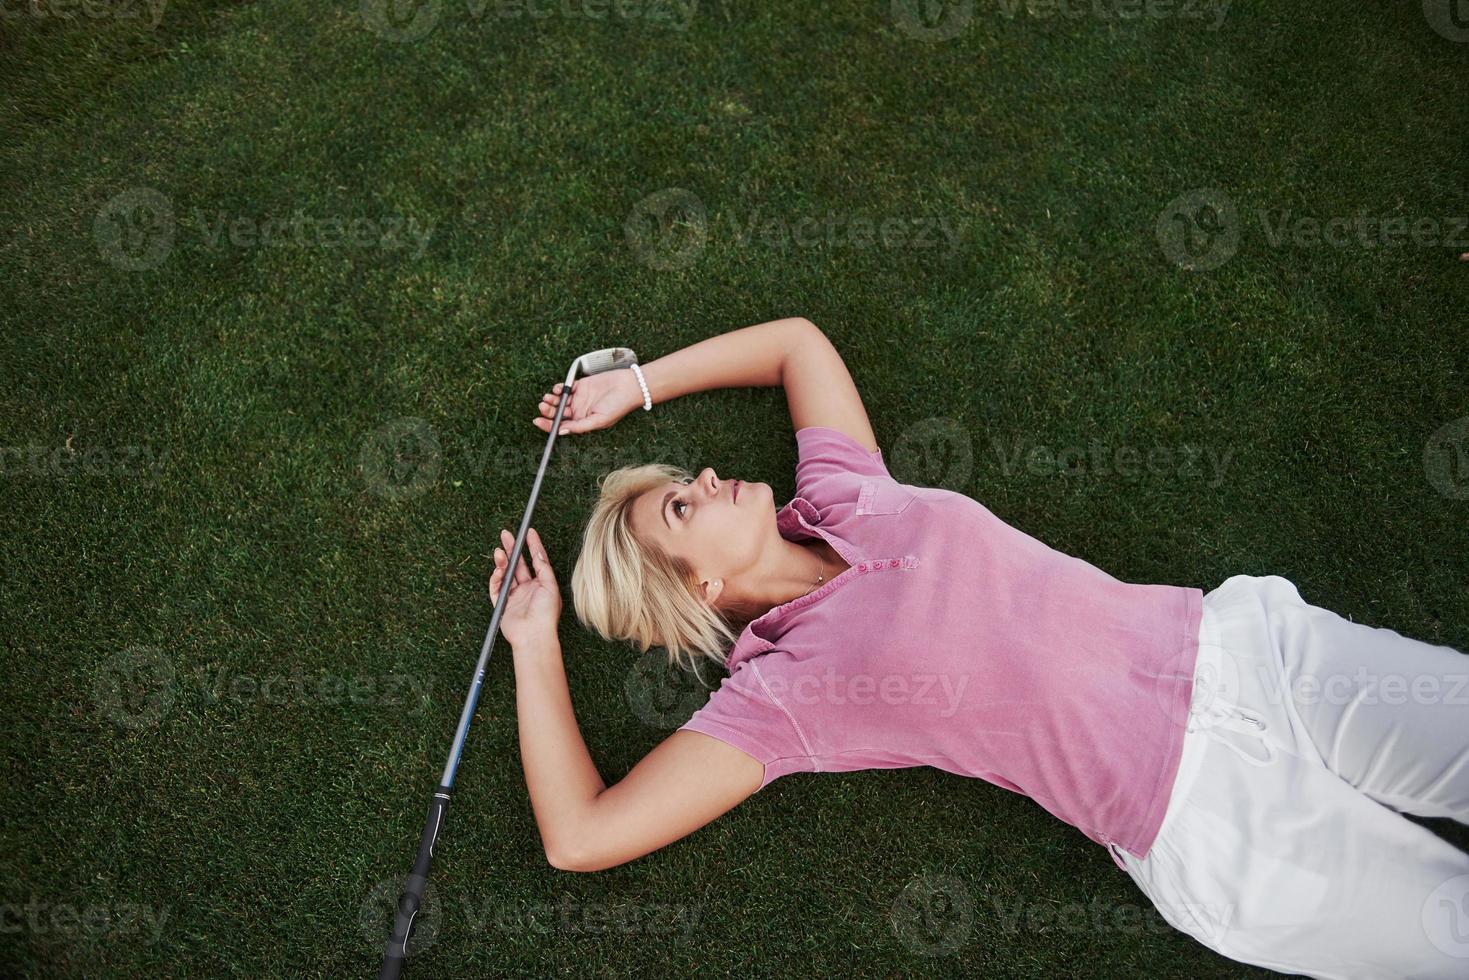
x=959 y=642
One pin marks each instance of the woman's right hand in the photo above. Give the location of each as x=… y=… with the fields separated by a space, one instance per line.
x=595 y=402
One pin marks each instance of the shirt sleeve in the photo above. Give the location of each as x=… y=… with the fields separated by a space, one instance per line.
x=831 y=463
x=744 y=712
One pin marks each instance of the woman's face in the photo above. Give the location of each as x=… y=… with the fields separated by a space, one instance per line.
x=720 y=527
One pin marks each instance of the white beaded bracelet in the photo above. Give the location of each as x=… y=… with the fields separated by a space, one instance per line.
x=647 y=398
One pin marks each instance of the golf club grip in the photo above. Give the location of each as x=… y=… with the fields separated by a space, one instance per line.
x=412 y=897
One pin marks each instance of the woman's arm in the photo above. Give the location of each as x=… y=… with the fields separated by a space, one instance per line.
x=749 y=357
x=686 y=781
x=792 y=353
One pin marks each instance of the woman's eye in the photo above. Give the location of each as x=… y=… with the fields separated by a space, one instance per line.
x=676 y=505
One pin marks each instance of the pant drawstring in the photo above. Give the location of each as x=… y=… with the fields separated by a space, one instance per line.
x=1220 y=715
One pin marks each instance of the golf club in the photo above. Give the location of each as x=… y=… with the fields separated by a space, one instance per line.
x=412 y=897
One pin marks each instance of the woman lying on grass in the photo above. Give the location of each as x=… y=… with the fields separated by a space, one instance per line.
x=1230 y=750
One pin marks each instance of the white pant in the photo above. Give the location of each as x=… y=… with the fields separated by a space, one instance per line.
x=1281 y=846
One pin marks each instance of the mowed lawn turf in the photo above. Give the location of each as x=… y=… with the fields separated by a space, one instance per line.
x=1178 y=293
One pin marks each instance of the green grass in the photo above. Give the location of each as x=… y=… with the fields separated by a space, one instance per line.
x=222 y=530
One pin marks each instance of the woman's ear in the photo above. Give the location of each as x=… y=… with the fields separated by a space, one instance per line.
x=712 y=589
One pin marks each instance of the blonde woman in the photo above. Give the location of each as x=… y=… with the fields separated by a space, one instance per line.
x=1237 y=753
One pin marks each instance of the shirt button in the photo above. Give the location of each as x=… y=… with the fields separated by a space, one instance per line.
x=893 y=563
x=862 y=567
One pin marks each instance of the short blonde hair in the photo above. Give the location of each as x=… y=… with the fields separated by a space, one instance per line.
x=626 y=588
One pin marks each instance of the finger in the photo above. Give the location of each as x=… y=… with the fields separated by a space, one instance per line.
x=569 y=425
x=522 y=572
x=538 y=557
x=497 y=576
x=584 y=424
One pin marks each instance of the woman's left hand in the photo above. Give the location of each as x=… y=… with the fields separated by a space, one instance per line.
x=533 y=606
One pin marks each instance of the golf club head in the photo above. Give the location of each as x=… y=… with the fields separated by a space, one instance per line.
x=606 y=359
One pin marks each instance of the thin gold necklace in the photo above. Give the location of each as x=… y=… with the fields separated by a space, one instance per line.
x=821 y=577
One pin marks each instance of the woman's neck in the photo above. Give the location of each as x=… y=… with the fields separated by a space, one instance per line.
x=801 y=568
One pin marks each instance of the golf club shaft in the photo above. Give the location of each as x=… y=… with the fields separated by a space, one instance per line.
x=411 y=899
